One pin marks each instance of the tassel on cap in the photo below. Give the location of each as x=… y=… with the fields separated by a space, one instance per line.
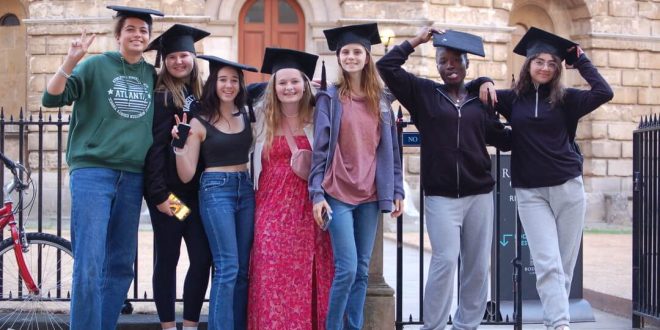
x=324 y=81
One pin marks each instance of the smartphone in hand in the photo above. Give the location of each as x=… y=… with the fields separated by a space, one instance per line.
x=326 y=217
x=180 y=210
x=184 y=130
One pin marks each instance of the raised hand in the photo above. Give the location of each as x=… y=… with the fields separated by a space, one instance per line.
x=424 y=35
x=578 y=52
x=79 y=46
x=175 y=129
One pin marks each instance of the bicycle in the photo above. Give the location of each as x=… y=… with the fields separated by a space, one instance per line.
x=35 y=268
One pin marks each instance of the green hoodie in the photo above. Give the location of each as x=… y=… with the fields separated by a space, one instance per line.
x=113 y=112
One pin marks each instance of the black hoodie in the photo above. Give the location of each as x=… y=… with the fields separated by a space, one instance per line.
x=454 y=160
x=160 y=175
x=542 y=152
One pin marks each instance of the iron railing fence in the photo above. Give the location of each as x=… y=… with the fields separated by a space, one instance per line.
x=18 y=129
x=38 y=140
x=646 y=222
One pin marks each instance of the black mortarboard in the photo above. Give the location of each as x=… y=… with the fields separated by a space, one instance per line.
x=216 y=62
x=283 y=58
x=177 y=38
x=537 y=41
x=460 y=41
x=363 y=34
x=141 y=13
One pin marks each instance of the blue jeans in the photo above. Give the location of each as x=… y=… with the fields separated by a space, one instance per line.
x=352 y=233
x=105 y=212
x=226 y=203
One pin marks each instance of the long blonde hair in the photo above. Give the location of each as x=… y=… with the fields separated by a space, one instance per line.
x=370 y=83
x=177 y=86
x=270 y=107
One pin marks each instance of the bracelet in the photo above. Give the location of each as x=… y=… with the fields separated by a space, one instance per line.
x=179 y=153
x=60 y=71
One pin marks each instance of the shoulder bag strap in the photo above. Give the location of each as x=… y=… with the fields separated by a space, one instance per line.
x=289 y=139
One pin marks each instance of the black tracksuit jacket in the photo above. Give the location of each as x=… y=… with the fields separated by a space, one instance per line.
x=454 y=160
x=542 y=149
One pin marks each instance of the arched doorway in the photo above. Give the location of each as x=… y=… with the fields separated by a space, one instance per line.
x=268 y=23
x=13 y=95
x=522 y=19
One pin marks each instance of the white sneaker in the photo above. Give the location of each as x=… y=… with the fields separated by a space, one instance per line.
x=562 y=327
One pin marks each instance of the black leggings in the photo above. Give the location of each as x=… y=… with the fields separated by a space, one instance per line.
x=168 y=232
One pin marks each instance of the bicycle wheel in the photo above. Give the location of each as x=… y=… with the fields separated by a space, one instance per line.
x=50 y=262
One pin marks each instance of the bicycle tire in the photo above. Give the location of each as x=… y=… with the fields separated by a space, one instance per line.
x=50 y=308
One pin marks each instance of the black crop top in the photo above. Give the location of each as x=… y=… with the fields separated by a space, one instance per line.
x=223 y=149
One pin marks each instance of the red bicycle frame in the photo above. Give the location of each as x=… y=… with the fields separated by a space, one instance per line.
x=7 y=218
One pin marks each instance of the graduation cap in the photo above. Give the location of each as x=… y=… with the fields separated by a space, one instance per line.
x=141 y=13
x=283 y=58
x=537 y=41
x=460 y=41
x=216 y=62
x=177 y=38
x=363 y=34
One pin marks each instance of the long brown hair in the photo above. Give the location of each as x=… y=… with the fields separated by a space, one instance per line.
x=210 y=101
x=271 y=108
x=177 y=86
x=370 y=83
x=525 y=84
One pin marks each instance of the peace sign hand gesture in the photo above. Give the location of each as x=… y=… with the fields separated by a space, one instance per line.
x=175 y=129
x=79 y=46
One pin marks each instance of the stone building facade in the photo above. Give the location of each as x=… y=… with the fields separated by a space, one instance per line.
x=622 y=37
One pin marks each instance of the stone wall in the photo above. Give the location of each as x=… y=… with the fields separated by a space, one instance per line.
x=620 y=36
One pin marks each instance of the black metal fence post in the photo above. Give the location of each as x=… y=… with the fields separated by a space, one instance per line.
x=399 y=235
x=646 y=222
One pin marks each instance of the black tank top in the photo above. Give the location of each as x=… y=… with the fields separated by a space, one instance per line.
x=223 y=149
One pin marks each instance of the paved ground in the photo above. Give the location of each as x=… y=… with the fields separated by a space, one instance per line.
x=607 y=260
x=607 y=277
x=607 y=269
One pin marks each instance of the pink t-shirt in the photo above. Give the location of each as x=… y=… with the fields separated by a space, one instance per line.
x=352 y=175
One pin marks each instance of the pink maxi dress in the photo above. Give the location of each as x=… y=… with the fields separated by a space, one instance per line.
x=291 y=266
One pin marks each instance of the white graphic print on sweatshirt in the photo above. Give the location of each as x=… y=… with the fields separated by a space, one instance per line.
x=129 y=97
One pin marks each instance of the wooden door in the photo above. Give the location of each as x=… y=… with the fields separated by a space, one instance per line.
x=268 y=23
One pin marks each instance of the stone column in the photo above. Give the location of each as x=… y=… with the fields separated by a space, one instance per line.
x=379 y=306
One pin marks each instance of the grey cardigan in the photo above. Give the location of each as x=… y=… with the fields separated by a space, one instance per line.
x=327 y=118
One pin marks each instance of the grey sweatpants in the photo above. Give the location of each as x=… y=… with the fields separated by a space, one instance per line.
x=553 y=218
x=458 y=226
